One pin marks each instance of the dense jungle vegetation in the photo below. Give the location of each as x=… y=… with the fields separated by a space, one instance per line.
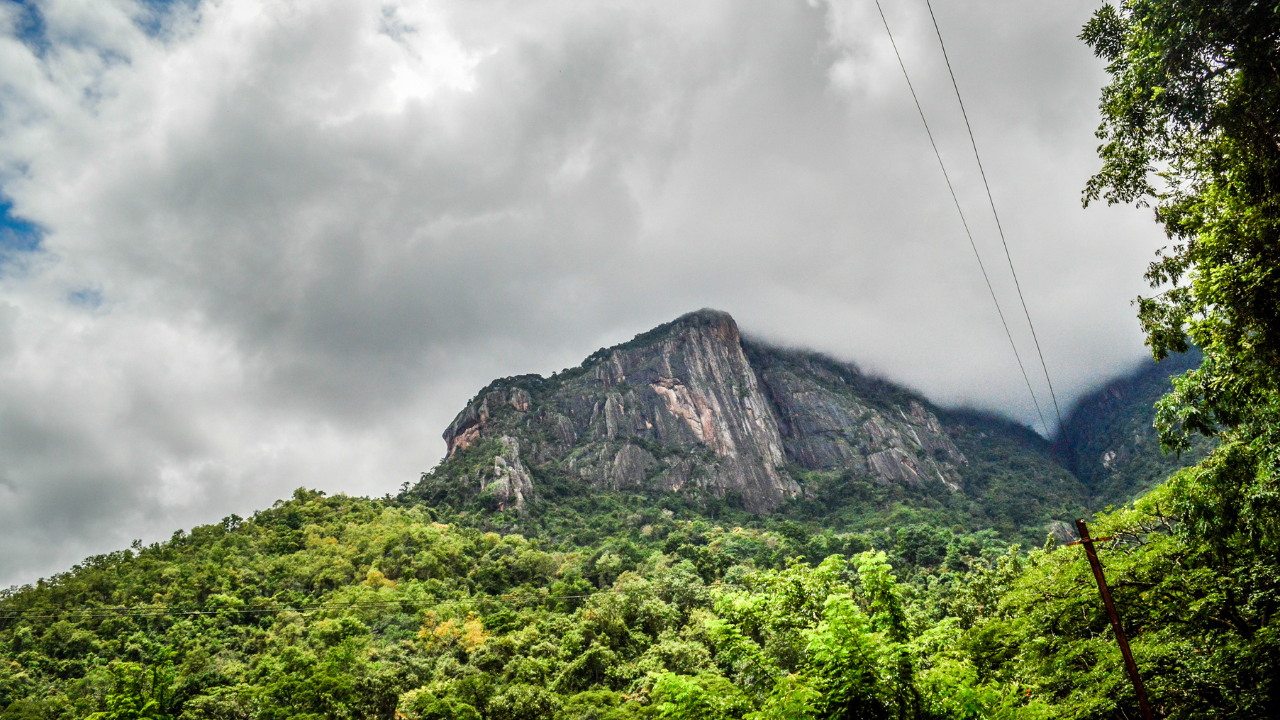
x=338 y=607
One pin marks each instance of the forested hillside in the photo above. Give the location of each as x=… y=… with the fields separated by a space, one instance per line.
x=350 y=608
x=1109 y=440
x=340 y=607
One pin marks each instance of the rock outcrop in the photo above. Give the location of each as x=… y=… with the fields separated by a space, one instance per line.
x=677 y=408
x=510 y=483
x=832 y=417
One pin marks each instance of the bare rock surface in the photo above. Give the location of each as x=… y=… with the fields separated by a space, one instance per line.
x=831 y=416
x=677 y=408
x=510 y=483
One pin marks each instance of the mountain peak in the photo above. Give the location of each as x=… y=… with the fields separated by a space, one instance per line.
x=718 y=323
x=675 y=408
x=687 y=407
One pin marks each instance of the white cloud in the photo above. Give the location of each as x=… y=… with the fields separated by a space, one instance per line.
x=316 y=228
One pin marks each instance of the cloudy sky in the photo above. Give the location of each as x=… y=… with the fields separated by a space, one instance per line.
x=251 y=245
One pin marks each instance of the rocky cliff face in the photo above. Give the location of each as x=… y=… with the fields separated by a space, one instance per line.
x=677 y=408
x=831 y=417
x=690 y=406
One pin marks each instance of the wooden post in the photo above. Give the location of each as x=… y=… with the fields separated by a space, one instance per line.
x=1123 y=641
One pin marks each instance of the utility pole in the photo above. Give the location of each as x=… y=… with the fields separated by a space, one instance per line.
x=1123 y=641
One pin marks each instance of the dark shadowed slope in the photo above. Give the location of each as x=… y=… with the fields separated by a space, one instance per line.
x=1109 y=441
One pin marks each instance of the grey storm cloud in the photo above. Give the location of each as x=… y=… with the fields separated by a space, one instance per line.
x=283 y=243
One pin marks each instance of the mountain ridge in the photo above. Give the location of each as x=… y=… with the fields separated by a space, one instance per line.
x=694 y=408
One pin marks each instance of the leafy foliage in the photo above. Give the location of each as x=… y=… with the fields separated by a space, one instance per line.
x=1190 y=125
x=342 y=607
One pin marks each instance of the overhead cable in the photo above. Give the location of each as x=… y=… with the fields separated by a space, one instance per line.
x=168 y=611
x=963 y=221
x=996 y=215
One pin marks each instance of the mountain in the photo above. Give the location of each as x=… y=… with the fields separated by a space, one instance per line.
x=694 y=411
x=676 y=407
x=1109 y=442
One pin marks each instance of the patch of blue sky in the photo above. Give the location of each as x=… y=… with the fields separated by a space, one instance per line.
x=17 y=234
x=28 y=25
x=156 y=13
x=30 y=28
x=86 y=297
x=20 y=240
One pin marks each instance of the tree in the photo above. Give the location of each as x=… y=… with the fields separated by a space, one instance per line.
x=850 y=665
x=705 y=697
x=138 y=693
x=1190 y=126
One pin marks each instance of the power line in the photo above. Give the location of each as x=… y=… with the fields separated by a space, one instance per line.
x=165 y=611
x=996 y=215
x=963 y=221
